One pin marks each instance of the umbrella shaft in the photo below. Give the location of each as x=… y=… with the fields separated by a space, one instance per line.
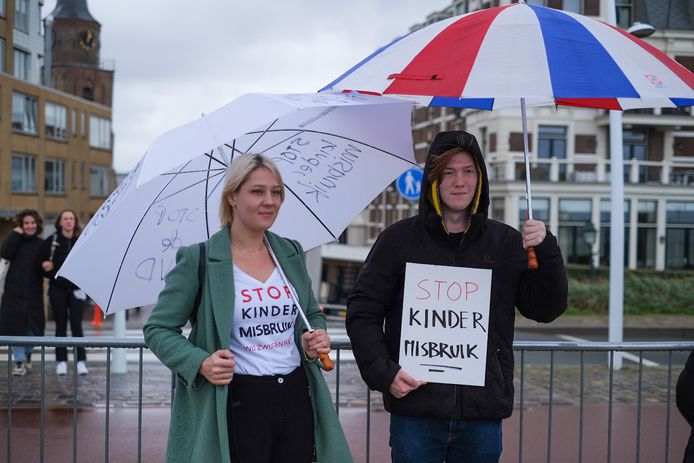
x=526 y=155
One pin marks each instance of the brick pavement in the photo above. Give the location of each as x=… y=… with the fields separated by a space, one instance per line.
x=156 y=389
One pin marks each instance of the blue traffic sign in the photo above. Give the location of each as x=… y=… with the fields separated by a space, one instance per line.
x=409 y=184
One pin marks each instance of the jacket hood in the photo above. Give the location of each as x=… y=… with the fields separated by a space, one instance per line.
x=444 y=141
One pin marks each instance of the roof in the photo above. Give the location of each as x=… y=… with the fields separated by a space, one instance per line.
x=73 y=9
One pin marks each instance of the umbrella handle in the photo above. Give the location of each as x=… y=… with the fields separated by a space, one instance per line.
x=328 y=364
x=532 y=259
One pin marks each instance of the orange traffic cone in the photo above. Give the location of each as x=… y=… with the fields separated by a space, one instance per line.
x=98 y=316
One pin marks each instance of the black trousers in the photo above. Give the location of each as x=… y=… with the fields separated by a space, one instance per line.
x=66 y=307
x=270 y=418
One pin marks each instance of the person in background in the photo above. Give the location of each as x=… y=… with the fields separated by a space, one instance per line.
x=685 y=403
x=436 y=422
x=248 y=384
x=21 y=309
x=67 y=300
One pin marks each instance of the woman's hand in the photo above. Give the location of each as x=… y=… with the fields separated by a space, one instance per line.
x=315 y=342
x=219 y=367
x=403 y=384
x=19 y=230
x=47 y=265
x=534 y=233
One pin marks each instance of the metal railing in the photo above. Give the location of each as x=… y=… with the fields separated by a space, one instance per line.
x=528 y=370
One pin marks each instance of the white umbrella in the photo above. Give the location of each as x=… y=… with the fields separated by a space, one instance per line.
x=336 y=152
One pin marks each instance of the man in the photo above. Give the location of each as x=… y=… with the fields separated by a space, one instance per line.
x=432 y=422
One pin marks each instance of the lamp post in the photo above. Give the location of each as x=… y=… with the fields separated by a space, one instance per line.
x=589 y=236
x=616 y=307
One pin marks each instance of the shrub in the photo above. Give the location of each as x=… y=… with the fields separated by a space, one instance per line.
x=645 y=291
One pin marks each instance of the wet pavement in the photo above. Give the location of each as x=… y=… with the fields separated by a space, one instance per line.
x=82 y=427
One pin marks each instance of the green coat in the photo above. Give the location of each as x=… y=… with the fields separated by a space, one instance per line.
x=198 y=429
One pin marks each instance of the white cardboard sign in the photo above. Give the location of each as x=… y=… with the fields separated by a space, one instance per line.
x=445 y=315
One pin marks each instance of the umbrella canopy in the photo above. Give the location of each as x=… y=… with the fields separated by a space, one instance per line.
x=491 y=58
x=335 y=153
x=520 y=55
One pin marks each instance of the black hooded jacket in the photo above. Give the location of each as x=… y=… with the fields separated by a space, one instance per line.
x=377 y=297
x=57 y=253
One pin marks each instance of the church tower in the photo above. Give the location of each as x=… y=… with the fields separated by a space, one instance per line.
x=75 y=60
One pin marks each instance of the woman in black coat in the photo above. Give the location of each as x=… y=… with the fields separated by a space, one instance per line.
x=21 y=309
x=67 y=300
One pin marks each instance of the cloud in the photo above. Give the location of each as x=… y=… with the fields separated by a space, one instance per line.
x=176 y=59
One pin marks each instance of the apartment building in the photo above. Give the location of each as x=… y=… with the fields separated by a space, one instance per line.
x=56 y=142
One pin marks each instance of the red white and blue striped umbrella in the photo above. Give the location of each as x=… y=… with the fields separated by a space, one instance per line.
x=494 y=57
x=520 y=55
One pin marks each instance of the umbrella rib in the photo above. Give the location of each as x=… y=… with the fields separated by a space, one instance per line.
x=310 y=210
x=343 y=138
x=298 y=132
x=215 y=188
x=132 y=237
x=233 y=149
x=209 y=155
x=261 y=135
x=207 y=183
x=185 y=188
x=193 y=171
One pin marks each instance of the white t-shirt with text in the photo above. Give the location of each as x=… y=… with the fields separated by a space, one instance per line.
x=262 y=330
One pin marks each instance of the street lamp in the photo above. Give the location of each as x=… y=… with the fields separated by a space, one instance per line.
x=589 y=235
x=641 y=30
x=616 y=302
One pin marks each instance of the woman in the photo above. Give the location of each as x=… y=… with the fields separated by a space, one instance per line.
x=21 y=309
x=67 y=300
x=245 y=372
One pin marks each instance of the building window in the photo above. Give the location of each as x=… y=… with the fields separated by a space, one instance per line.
x=679 y=247
x=54 y=182
x=605 y=221
x=99 y=132
x=21 y=15
x=483 y=142
x=635 y=147
x=540 y=210
x=98 y=181
x=23 y=173
x=646 y=234
x=461 y=8
x=2 y=52
x=566 y=5
x=3 y=6
x=498 y=209
x=573 y=6
x=21 y=64
x=74 y=122
x=623 y=9
x=56 y=121
x=24 y=109
x=573 y=216
x=551 y=143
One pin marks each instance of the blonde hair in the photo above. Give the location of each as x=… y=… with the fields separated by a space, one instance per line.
x=239 y=171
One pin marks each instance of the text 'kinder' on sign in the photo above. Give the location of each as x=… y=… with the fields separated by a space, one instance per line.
x=444 y=323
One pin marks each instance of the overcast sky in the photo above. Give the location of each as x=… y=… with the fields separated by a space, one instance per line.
x=176 y=59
